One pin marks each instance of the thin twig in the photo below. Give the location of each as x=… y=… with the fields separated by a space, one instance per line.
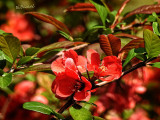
x=118 y=14
x=61 y=52
x=4 y=109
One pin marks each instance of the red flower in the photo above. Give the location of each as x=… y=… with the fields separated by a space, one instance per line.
x=110 y=69
x=19 y=26
x=58 y=65
x=68 y=81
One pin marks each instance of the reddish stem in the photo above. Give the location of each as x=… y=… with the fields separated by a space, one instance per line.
x=118 y=14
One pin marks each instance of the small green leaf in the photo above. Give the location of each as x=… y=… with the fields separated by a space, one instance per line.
x=79 y=113
x=2 y=60
x=21 y=52
x=42 y=108
x=102 y=10
x=31 y=51
x=91 y=73
x=92 y=100
x=1 y=32
x=151 y=18
x=111 y=17
x=24 y=60
x=10 y=45
x=127 y=113
x=5 y=79
x=156 y=64
x=18 y=73
x=68 y=37
x=97 y=118
x=30 y=77
x=47 y=56
x=155 y=28
x=139 y=53
x=89 y=103
x=152 y=43
x=130 y=56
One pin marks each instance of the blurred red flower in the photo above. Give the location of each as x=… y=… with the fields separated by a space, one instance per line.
x=19 y=26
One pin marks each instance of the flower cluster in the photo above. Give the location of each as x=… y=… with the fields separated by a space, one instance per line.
x=69 y=73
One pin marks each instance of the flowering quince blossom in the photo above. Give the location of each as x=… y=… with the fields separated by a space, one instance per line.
x=68 y=80
x=108 y=70
x=58 y=65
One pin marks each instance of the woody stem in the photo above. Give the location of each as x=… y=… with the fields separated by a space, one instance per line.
x=70 y=102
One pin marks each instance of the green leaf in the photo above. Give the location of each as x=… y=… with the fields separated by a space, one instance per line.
x=47 y=56
x=156 y=64
x=10 y=45
x=92 y=100
x=18 y=73
x=41 y=67
x=2 y=60
x=5 y=79
x=111 y=16
x=130 y=56
x=155 y=28
x=134 y=53
x=91 y=73
x=152 y=43
x=24 y=60
x=31 y=51
x=89 y=103
x=30 y=77
x=79 y=113
x=21 y=52
x=127 y=113
x=98 y=118
x=68 y=37
x=8 y=58
x=1 y=32
x=42 y=108
x=102 y=10
x=151 y=18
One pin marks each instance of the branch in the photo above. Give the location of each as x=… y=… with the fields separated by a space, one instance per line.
x=70 y=102
x=118 y=14
x=141 y=64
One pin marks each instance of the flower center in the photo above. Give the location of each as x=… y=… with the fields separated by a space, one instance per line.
x=103 y=68
x=79 y=85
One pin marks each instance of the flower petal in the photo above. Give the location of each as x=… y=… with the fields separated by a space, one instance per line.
x=63 y=85
x=69 y=63
x=82 y=95
x=93 y=57
x=71 y=54
x=113 y=68
x=81 y=61
x=57 y=66
x=111 y=60
x=87 y=84
x=72 y=74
